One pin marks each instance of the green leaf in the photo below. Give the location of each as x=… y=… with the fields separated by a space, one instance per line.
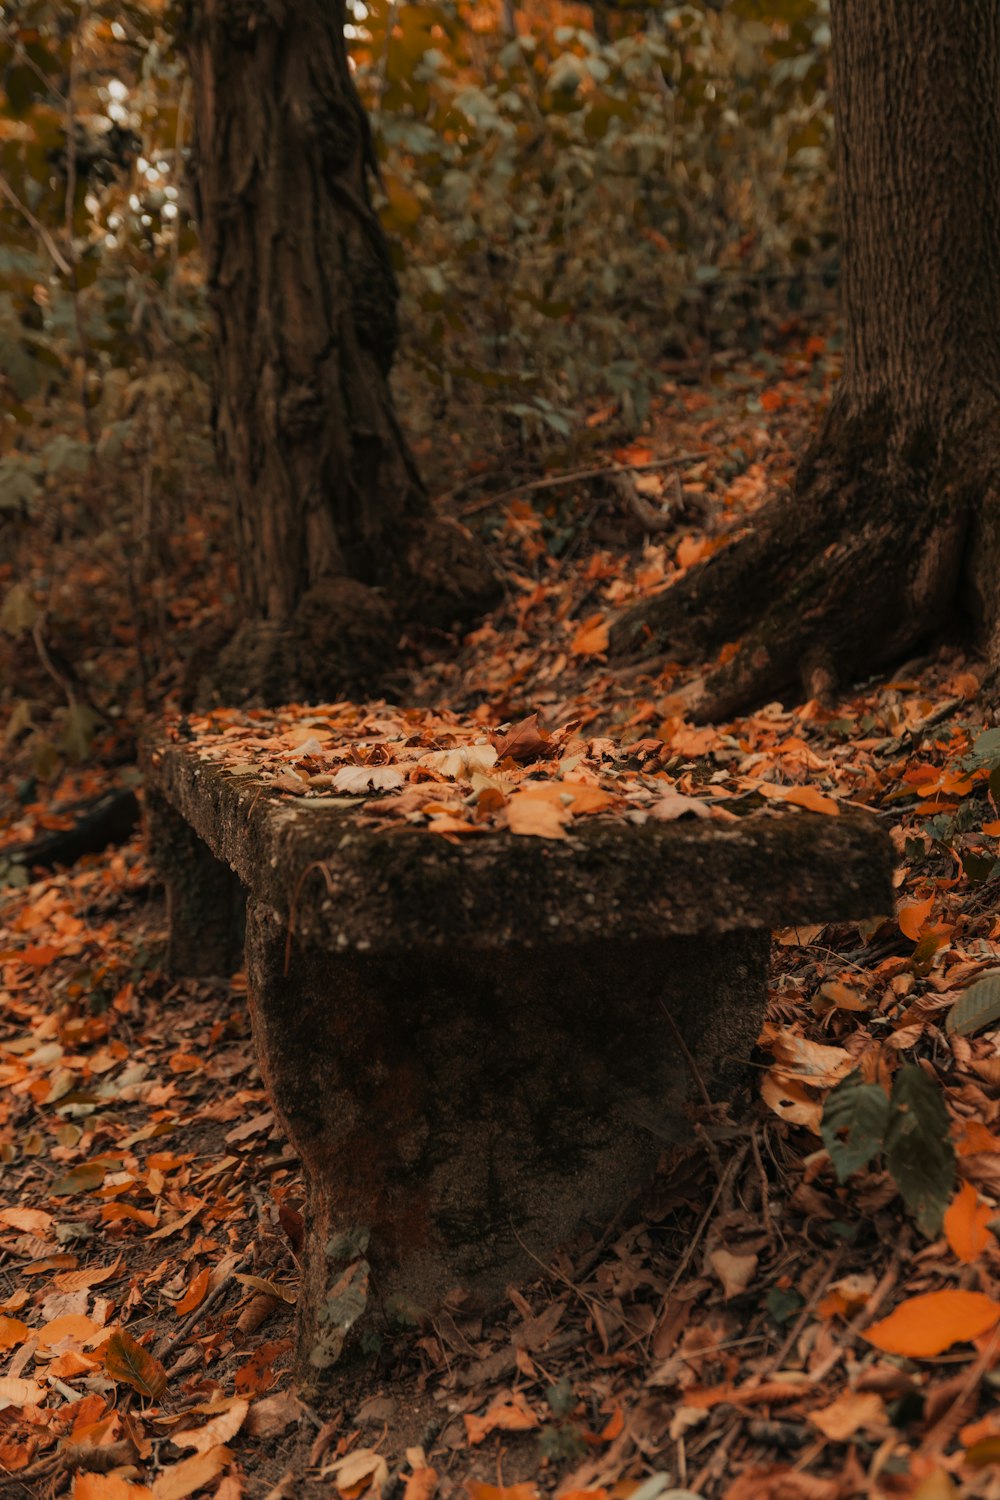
x=854 y=1122
x=918 y=1149
x=977 y=1008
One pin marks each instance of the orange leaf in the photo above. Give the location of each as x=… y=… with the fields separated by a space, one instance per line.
x=479 y=1491
x=927 y=1325
x=974 y=1138
x=506 y=1416
x=195 y=1294
x=421 y=1485
x=536 y=817
x=913 y=916
x=30 y=1220
x=190 y=1475
x=993 y=829
x=965 y=1222
x=71 y=1326
x=108 y=1487
x=12 y=1331
x=129 y=1363
x=591 y=638
x=809 y=797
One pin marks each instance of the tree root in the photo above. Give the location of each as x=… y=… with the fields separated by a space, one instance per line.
x=841 y=577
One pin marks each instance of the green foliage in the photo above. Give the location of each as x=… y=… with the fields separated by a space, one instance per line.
x=563 y=209
x=566 y=208
x=910 y=1126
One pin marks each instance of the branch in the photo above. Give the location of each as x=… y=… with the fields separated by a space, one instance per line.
x=58 y=259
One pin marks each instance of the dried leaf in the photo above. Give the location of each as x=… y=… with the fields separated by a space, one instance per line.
x=195 y=1294
x=736 y=1272
x=847 y=1415
x=28 y=1220
x=513 y=1415
x=127 y=1362
x=926 y=1325
x=912 y=916
x=223 y=1426
x=108 y=1487
x=536 y=817
x=966 y=1223
x=190 y=1475
x=977 y=1008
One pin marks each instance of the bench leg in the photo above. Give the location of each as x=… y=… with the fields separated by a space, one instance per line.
x=206 y=904
x=461 y=1113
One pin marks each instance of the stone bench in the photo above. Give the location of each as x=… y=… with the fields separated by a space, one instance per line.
x=475 y=1045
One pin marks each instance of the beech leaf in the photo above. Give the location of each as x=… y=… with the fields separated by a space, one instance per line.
x=977 y=1008
x=854 y=1122
x=918 y=1149
x=924 y=1326
x=127 y=1362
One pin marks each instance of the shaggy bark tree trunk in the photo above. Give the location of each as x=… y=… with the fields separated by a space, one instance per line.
x=333 y=534
x=892 y=524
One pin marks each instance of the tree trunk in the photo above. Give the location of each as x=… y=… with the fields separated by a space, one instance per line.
x=331 y=520
x=892 y=523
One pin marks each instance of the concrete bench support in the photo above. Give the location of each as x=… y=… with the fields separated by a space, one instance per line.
x=475 y=1048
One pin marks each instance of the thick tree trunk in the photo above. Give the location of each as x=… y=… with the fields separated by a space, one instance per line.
x=331 y=519
x=892 y=524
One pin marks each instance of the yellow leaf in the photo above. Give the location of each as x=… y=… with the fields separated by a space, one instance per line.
x=927 y=1325
x=965 y=1223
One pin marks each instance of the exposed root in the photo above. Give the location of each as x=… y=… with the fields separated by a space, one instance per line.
x=845 y=575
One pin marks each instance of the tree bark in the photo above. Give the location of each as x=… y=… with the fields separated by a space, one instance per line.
x=332 y=523
x=892 y=524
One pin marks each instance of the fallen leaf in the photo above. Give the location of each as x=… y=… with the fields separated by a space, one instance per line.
x=421 y=1485
x=479 y=1491
x=190 y=1474
x=966 y=1222
x=358 y=1471
x=129 y=1363
x=513 y=1415
x=16 y=1392
x=591 y=638
x=736 y=1272
x=223 y=1426
x=108 y=1487
x=195 y=1294
x=274 y=1415
x=28 y=1220
x=848 y=1414
x=12 y=1332
x=928 y=1324
x=912 y=916
x=536 y=817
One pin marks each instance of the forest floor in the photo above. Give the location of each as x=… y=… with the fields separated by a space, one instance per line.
x=729 y=1339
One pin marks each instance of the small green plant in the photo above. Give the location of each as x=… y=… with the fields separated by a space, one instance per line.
x=908 y=1126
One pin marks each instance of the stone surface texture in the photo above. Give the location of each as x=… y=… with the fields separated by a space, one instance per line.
x=474 y=1048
